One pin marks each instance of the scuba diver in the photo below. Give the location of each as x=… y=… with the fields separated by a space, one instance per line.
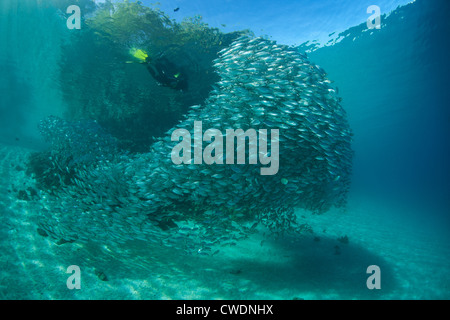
x=162 y=70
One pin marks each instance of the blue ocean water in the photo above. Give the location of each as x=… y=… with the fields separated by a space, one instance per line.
x=393 y=82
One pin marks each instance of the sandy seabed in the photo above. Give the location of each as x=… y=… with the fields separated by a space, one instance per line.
x=413 y=255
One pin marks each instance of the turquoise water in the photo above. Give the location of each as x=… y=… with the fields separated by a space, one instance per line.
x=391 y=82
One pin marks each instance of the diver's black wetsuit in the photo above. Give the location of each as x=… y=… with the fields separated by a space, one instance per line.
x=168 y=74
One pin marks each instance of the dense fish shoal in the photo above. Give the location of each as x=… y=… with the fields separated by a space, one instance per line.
x=113 y=196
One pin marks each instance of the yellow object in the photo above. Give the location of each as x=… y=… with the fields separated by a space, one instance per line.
x=139 y=54
x=177 y=75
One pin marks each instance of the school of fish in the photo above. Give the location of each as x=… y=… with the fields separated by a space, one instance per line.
x=196 y=207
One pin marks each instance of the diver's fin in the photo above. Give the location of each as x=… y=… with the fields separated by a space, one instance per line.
x=139 y=54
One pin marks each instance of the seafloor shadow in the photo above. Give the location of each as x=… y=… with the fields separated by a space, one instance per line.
x=285 y=268
x=319 y=267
